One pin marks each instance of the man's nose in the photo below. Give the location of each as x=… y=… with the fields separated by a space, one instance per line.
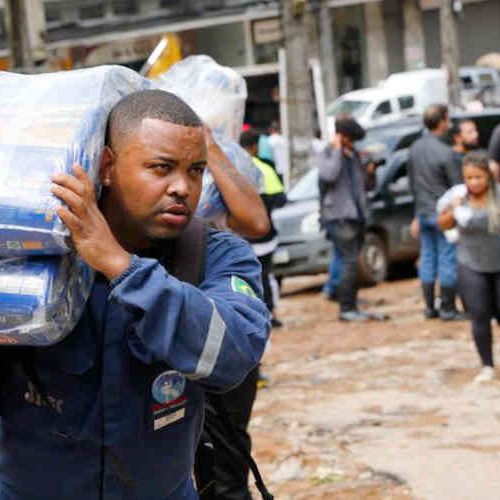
x=179 y=186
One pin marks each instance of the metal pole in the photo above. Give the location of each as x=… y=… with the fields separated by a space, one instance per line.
x=449 y=50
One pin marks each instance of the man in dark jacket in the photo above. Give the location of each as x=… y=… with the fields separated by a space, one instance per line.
x=116 y=408
x=433 y=171
x=344 y=207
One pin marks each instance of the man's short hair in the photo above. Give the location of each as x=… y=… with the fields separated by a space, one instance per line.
x=346 y=125
x=434 y=115
x=456 y=128
x=249 y=139
x=129 y=112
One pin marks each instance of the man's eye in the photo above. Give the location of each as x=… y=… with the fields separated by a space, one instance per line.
x=162 y=167
x=198 y=170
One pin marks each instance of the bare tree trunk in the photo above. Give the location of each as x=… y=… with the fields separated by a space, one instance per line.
x=449 y=50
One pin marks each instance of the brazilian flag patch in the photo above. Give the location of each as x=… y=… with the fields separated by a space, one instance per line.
x=241 y=286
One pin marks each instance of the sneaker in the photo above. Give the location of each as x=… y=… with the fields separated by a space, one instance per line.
x=354 y=316
x=487 y=374
x=263 y=381
x=452 y=315
x=276 y=323
x=431 y=314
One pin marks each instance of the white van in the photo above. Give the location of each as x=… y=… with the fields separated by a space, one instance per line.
x=402 y=94
x=480 y=82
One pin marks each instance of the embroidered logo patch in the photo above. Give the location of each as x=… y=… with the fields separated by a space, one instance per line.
x=168 y=386
x=241 y=286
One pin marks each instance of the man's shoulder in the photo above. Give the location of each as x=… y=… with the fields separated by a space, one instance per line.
x=224 y=246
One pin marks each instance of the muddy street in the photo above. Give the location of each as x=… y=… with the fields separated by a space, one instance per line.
x=384 y=410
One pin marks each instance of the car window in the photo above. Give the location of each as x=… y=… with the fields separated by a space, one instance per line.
x=351 y=107
x=406 y=102
x=384 y=108
x=400 y=182
x=306 y=188
x=467 y=81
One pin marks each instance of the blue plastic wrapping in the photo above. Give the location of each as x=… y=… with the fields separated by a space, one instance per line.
x=47 y=123
x=41 y=299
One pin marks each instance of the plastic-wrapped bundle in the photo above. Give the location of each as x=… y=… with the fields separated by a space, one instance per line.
x=41 y=299
x=47 y=123
x=211 y=203
x=217 y=93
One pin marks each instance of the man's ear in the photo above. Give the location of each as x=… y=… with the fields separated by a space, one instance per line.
x=107 y=166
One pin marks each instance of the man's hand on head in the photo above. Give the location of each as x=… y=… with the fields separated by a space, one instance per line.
x=90 y=231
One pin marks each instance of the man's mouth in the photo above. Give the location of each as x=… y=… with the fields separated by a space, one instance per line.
x=175 y=215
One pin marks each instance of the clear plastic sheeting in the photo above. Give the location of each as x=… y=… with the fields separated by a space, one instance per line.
x=211 y=203
x=47 y=123
x=216 y=93
x=41 y=299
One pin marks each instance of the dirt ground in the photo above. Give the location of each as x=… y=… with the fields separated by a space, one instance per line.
x=383 y=410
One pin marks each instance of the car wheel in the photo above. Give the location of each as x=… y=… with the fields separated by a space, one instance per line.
x=373 y=261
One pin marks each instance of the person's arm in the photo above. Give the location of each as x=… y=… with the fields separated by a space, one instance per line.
x=494 y=152
x=453 y=174
x=330 y=165
x=446 y=220
x=214 y=334
x=247 y=214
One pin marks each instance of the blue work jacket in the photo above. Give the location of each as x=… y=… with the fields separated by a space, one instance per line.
x=124 y=392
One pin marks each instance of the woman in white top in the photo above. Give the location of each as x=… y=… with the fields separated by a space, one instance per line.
x=474 y=209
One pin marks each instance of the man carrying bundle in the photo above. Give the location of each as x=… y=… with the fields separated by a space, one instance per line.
x=115 y=410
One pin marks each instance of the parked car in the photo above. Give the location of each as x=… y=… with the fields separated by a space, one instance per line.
x=304 y=249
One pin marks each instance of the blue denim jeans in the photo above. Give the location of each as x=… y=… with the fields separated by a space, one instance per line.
x=437 y=255
x=334 y=272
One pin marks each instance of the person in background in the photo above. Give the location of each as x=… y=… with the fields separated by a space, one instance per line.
x=494 y=152
x=465 y=138
x=317 y=143
x=246 y=216
x=433 y=171
x=475 y=211
x=280 y=153
x=344 y=207
x=273 y=196
x=265 y=150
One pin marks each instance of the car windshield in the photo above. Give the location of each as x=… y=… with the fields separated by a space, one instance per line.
x=380 y=142
x=354 y=108
x=306 y=188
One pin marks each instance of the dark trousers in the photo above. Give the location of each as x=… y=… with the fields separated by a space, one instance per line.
x=481 y=294
x=231 y=471
x=266 y=261
x=347 y=236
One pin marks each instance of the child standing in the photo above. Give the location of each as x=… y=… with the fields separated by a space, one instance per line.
x=474 y=209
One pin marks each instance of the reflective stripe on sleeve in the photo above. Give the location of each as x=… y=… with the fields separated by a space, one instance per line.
x=211 y=350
